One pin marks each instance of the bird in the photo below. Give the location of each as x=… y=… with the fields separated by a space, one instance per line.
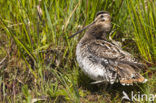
x=104 y=61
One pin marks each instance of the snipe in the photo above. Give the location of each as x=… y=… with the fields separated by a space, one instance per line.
x=104 y=61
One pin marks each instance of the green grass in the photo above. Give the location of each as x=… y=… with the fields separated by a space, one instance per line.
x=39 y=59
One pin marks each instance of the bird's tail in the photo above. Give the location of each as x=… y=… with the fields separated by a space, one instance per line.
x=128 y=75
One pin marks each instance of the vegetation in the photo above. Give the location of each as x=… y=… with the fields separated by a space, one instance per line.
x=37 y=60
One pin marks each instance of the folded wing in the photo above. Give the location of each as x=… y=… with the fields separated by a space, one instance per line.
x=115 y=59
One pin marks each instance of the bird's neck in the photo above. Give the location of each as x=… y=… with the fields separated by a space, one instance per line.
x=95 y=32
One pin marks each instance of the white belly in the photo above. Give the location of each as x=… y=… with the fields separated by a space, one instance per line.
x=95 y=71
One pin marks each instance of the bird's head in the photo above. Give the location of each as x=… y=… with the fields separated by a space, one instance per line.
x=103 y=19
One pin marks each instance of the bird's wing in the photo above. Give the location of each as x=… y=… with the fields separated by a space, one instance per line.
x=104 y=49
x=115 y=59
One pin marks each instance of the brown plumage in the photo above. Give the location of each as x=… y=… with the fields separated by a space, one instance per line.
x=104 y=61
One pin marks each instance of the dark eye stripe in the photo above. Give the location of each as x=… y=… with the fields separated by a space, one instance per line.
x=102 y=16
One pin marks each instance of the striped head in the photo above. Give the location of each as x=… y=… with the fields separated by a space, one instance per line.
x=103 y=19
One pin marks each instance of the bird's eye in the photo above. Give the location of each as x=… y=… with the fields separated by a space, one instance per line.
x=101 y=16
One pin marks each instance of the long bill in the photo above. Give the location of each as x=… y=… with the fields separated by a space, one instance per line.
x=81 y=30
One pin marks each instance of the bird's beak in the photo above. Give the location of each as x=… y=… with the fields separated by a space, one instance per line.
x=81 y=30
